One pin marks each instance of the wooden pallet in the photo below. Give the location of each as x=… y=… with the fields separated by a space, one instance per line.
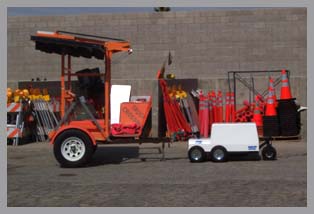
x=296 y=137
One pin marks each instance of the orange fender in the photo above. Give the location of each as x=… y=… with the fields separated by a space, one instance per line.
x=53 y=135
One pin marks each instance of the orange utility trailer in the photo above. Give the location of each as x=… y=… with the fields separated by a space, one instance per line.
x=75 y=141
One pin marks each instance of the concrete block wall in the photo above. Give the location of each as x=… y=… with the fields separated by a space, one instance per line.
x=204 y=45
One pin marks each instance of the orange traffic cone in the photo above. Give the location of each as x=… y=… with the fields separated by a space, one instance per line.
x=285 y=92
x=214 y=104
x=272 y=88
x=219 y=107
x=232 y=108
x=227 y=108
x=257 y=117
x=270 y=105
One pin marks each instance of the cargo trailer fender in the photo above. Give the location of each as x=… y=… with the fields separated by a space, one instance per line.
x=68 y=127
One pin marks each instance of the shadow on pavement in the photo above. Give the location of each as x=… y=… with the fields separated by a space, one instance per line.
x=22 y=142
x=132 y=154
x=113 y=155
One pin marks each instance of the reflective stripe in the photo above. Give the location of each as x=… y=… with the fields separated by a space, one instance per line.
x=204 y=105
x=285 y=84
x=14 y=107
x=256 y=111
x=270 y=101
x=284 y=77
x=13 y=132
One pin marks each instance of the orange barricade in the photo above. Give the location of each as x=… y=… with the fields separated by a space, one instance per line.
x=14 y=107
x=13 y=132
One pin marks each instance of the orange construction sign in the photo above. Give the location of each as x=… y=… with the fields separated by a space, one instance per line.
x=134 y=112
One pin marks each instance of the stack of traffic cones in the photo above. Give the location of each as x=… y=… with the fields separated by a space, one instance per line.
x=228 y=108
x=210 y=112
x=203 y=115
x=232 y=108
x=270 y=119
x=272 y=88
x=219 y=109
x=257 y=117
x=288 y=115
x=245 y=114
x=213 y=99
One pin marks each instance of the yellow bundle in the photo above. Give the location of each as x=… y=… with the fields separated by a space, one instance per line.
x=17 y=95
x=35 y=94
x=9 y=95
x=46 y=95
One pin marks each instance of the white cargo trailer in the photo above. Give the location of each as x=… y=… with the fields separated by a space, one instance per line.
x=227 y=139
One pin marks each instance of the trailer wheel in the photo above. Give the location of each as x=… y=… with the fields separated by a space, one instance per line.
x=196 y=154
x=95 y=148
x=269 y=153
x=73 y=148
x=219 y=154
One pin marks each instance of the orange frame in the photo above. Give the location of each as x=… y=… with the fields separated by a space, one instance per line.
x=87 y=126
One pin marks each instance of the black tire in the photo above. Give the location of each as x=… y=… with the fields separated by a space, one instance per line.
x=95 y=148
x=196 y=154
x=219 y=154
x=269 y=153
x=71 y=143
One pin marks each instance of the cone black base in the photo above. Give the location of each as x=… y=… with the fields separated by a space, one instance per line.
x=289 y=117
x=271 y=126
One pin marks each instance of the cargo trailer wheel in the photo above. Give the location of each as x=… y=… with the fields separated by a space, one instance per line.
x=219 y=154
x=73 y=148
x=196 y=154
x=269 y=153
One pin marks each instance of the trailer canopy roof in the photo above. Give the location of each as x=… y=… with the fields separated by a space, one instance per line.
x=67 y=43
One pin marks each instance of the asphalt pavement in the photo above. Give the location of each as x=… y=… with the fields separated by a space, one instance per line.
x=133 y=175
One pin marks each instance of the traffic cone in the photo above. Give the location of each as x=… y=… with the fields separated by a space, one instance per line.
x=206 y=118
x=219 y=107
x=272 y=88
x=285 y=92
x=201 y=112
x=270 y=105
x=232 y=108
x=203 y=115
x=214 y=105
x=227 y=108
x=257 y=116
x=210 y=112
